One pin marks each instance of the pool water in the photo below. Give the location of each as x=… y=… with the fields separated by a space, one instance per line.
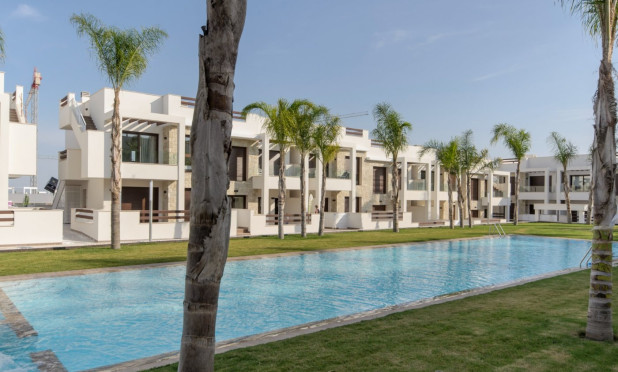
x=94 y=320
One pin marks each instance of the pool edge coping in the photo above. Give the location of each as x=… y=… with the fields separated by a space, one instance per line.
x=102 y=270
x=161 y=360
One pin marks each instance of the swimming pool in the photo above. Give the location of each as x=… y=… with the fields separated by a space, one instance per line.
x=101 y=319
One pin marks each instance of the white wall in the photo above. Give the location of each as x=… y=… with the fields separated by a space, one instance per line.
x=33 y=227
x=22 y=154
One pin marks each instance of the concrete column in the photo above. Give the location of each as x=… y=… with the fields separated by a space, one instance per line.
x=546 y=183
x=265 y=173
x=306 y=183
x=436 y=191
x=428 y=193
x=4 y=145
x=353 y=180
x=507 y=211
x=404 y=184
x=180 y=189
x=490 y=194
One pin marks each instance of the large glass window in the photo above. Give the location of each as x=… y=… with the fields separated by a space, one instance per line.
x=580 y=183
x=140 y=147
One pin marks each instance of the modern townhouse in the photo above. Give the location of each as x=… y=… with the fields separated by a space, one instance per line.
x=156 y=150
x=18 y=155
x=541 y=193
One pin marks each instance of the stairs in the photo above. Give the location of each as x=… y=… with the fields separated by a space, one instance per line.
x=90 y=123
x=242 y=231
x=13 y=116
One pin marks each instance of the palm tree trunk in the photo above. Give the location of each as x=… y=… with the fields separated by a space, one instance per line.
x=460 y=201
x=590 y=199
x=565 y=185
x=599 y=326
x=516 y=203
x=450 y=201
x=395 y=185
x=303 y=206
x=322 y=199
x=281 y=201
x=116 y=180
x=210 y=207
x=468 y=197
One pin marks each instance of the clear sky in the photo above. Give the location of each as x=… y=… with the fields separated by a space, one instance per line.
x=446 y=66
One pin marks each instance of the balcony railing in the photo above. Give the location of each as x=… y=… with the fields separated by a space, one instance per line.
x=417 y=185
x=525 y=188
x=344 y=174
x=498 y=193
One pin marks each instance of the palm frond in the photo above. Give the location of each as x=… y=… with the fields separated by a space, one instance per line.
x=2 y=50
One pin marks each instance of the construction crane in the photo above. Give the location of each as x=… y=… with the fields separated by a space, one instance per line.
x=31 y=110
x=352 y=115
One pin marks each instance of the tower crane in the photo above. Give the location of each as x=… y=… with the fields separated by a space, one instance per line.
x=31 y=110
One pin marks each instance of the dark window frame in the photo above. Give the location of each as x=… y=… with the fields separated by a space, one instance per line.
x=139 y=147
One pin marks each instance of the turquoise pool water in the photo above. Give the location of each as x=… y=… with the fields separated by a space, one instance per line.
x=100 y=319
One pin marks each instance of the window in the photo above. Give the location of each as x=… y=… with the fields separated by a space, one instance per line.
x=275 y=160
x=346 y=207
x=580 y=183
x=358 y=204
x=379 y=180
x=359 y=169
x=188 y=153
x=140 y=147
x=474 y=189
x=238 y=201
x=238 y=160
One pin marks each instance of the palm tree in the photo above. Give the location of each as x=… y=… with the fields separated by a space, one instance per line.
x=2 y=52
x=447 y=155
x=473 y=160
x=305 y=115
x=591 y=187
x=564 y=152
x=392 y=131
x=599 y=18
x=518 y=141
x=325 y=138
x=277 y=125
x=211 y=145
x=123 y=56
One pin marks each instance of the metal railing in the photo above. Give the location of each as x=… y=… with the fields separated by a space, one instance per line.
x=525 y=188
x=288 y=219
x=344 y=174
x=164 y=216
x=385 y=215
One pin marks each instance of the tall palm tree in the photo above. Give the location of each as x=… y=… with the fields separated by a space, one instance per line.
x=278 y=126
x=392 y=131
x=591 y=188
x=518 y=141
x=564 y=152
x=447 y=155
x=473 y=160
x=599 y=18
x=2 y=51
x=211 y=146
x=122 y=55
x=305 y=115
x=325 y=137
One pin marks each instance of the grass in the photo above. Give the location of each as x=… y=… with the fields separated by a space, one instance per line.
x=533 y=327
x=28 y=262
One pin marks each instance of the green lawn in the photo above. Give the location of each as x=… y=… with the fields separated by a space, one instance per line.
x=137 y=254
x=534 y=327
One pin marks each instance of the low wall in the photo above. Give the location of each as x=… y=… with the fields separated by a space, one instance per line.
x=32 y=226
x=333 y=220
x=99 y=227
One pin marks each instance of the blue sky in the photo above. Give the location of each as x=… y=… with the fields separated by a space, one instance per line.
x=446 y=66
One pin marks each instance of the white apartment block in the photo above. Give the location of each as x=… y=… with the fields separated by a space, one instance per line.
x=155 y=140
x=541 y=193
x=18 y=155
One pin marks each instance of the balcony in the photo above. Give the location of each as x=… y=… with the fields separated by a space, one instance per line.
x=342 y=175
x=498 y=193
x=417 y=185
x=524 y=188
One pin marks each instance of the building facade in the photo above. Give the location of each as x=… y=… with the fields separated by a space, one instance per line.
x=18 y=155
x=156 y=149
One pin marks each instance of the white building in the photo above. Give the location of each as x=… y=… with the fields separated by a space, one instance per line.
x=541 y=193
x=156 y=148
x=18 y=152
